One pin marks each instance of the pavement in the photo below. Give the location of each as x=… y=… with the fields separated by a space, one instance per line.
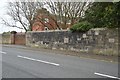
x=21 y=62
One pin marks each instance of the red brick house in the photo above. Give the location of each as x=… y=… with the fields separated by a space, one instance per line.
x=46 y=21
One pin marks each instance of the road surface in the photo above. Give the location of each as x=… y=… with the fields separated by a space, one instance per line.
x=24 y=63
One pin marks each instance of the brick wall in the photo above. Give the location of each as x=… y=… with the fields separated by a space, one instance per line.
x=18 y=38
x=96 y=41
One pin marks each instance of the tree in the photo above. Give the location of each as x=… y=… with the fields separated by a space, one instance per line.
x=62 y=12
x=22 y=13
x=103 y=14
x=65 y=12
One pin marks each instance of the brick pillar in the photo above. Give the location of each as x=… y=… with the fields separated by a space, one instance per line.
x=13 y=37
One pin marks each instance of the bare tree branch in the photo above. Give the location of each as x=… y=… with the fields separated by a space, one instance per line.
x=67 y=11
x=23 y=13
x=7 y=24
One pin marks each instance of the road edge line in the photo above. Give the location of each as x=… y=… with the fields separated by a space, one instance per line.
x=106 y=75
x=46 y=62
x=3 y=52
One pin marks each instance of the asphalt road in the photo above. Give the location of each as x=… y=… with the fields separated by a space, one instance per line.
x=24 y=63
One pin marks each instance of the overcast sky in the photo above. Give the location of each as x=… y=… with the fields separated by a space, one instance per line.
x=3 y=5
x=3 y=28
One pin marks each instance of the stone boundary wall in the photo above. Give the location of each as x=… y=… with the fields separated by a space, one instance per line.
x=10 y=38
x=96 y=41
x=6 y=38
x=0 y=38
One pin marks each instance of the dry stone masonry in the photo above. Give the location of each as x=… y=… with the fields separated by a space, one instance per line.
x=96 y=41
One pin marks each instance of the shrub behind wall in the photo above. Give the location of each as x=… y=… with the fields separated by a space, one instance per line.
x=81 y=27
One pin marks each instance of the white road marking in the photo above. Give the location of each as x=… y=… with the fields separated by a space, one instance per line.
x=106 y=75
x=3 y=52
x=55 y=64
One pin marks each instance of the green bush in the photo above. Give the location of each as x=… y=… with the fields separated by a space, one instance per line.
x=81 y=27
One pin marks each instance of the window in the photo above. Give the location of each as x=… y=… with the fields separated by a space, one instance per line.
x=46 y=20
x=46 y=28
